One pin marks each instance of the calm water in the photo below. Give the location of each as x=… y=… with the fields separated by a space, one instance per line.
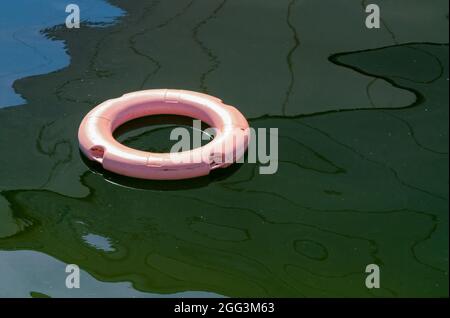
x=363 y=173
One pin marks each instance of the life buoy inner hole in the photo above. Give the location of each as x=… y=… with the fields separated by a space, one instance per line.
x=153 y=133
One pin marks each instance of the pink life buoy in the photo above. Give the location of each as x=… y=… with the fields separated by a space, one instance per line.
x=98 y=144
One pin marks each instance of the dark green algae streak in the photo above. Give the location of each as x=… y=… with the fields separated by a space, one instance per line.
x=355 y=185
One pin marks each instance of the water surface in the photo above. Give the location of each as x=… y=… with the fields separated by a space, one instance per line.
x=363 y=173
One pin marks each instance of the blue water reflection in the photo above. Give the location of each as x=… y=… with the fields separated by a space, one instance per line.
x=26 y=51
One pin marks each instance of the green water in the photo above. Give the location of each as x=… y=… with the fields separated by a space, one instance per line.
x=363 y=149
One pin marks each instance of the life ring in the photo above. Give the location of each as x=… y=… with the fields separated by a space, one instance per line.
x=97 y=143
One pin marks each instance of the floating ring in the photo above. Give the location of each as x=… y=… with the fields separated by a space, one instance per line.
x=97 y=143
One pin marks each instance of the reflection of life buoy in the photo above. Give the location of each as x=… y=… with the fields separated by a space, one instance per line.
x=229 y=144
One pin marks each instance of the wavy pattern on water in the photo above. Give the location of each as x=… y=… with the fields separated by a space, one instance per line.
x=392 y=170
x=290 y=55
x=335 y=59
x=430 y=81
x=403 y=121
x=133 y=41
x=52 y=151
x=212 y=58
x=414 y=137
x=309 y=230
